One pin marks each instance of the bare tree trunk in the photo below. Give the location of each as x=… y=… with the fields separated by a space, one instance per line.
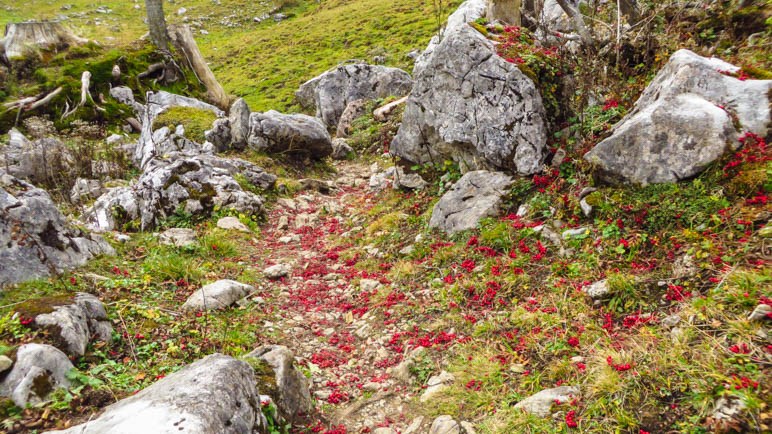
x=506 y=11
x=184 y=42
x=157 y=24
x=578 y=22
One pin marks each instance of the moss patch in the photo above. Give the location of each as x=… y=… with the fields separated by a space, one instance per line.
x=195 y=121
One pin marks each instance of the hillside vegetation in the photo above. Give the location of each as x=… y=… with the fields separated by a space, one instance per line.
x=507 y=309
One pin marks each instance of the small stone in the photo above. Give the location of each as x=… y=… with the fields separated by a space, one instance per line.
x=287 y=203
x=5 y=363
x=283 y=223
x=232 y=223
x=577 y=359
x=540 y=404
x=671 y=321
x=369 y=285
x=445 y=425
x=277 y=271
x=437 y=384
x=586 y=207
x=598 y=289
x=468 y=427
x=574 y=233
x=217 y=295
x=178 y=237
x=407 y=250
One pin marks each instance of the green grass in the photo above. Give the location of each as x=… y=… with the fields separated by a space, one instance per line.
x=266 y=62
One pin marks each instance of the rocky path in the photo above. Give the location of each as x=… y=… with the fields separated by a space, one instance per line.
x=323 y=307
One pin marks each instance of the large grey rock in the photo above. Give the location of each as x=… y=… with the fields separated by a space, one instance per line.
x=215 y=395
x=335 y=89
x=239 y=123
x=217 y=295
x=35 y=238
x=396 y=178
x=38 y=370
x=293 y=134
x=471 y=106
x=71 y=322
x=540 y=404
x=294 y=398
x=306 y=93
x=161 y=100
x=683 y=121
x=35 y=161
x=475 y=196
x=467 y=12
x=199 y=184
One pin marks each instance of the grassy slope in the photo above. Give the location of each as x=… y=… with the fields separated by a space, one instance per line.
x=265 y=62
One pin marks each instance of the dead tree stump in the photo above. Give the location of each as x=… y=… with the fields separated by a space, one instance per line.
x=21 y=38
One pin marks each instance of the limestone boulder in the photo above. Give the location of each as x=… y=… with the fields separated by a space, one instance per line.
x=540 y=404
x=335 y=89
x=215 y=395
x=471 y=106
x=296 y=134
x=36 y=238
x=37 y=371
x=476 y=195
x=37 y=161
x=198 y=184
x=294 y=398
x=689 y=116
x=71 y=322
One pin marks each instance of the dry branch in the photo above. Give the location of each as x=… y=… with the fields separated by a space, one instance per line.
x=32 y=102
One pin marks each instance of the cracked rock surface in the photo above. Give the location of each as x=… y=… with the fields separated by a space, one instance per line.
x=475 y=196
x=688 y=117
x=36 y=237
x=471 y=106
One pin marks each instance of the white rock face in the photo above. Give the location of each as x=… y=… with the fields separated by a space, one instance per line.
x=215 y=395
x=475 y=196
x=437 y=384
x=598 y=289
x=334 y=90
x=682 y=122
x=445 y=425
x=217 y=295
x=540 y=404
x=35 y=363
x=29 y=210
x=471 y=106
